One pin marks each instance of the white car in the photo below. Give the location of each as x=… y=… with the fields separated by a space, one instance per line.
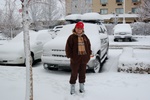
x=12 y=52
x=54 y=56
x=122 y=32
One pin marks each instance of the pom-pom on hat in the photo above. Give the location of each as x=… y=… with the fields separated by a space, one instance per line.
x=79 y=25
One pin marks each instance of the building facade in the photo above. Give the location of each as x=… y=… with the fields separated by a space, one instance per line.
x=102 y=6
x=115 y=6
x=78 y=6
x=112 y=8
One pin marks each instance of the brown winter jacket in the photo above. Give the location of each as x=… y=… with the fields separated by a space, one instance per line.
x=72 y=49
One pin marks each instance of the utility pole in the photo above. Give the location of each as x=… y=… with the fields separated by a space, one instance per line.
x=124 y=11
x=28 y=63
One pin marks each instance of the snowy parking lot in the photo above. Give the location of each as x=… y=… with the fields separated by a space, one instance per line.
x=107 y=85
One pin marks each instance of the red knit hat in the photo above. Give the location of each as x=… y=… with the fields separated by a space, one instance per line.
x=79 y=25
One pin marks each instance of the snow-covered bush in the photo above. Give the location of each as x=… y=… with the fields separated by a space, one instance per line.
x=141 y=28
x=128 y=62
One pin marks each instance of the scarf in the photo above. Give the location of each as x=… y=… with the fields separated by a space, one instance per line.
x=81 y=45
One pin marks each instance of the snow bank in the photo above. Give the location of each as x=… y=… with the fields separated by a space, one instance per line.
x=131 y=63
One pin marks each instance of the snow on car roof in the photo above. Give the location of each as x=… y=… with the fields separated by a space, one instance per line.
x=32 y=34
x=122 y=28
x=91 y=16
x=73 y=17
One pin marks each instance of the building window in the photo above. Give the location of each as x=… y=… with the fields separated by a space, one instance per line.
x=135 y=0
x=119 y=1
x=119 y=10
x=103 y=11
x=104 y=1
x=134 y=10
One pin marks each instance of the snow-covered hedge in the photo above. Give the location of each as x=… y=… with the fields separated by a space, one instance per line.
x=129 y=63
x=139 y=28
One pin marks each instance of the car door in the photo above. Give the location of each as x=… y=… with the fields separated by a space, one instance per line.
x=104 y=41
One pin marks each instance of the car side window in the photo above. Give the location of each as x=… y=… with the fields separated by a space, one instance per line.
x=101 y=30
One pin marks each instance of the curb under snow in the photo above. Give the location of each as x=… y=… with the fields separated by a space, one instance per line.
x=131 y=64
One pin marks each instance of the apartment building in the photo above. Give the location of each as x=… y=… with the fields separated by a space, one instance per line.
x=78 y=6
x=113 y=8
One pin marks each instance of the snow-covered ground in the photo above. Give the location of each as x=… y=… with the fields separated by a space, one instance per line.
x=54 y=85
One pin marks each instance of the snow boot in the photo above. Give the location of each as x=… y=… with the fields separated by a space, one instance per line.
x=72 y=89
x=81 y=90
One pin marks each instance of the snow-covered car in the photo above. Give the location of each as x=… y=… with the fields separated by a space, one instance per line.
x=54 y=56
x=12 y=52
x=2 y=37
x=122 y=32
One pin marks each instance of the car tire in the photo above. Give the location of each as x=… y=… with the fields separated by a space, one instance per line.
x=130 y=39
x=115 y=40
x=97 y=65
x=54 y=69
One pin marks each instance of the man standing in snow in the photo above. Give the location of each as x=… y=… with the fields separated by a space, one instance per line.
x=78 y=49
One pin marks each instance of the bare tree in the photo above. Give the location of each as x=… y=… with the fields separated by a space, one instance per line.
x=29 y=77
x=1 y=17
x=62 y=3
x=144 y=10
x=10 y=17
x=44 y=11
x=81 y=6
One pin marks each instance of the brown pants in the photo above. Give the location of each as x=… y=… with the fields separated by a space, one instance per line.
x=75 y=69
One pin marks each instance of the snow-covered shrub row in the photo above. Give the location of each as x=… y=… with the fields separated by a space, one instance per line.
x=139 y=28
x=129 y=63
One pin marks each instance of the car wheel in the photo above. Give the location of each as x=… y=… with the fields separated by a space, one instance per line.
x=52 y=67
x=115 y=40
x=97 y=66
x=130 y=39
